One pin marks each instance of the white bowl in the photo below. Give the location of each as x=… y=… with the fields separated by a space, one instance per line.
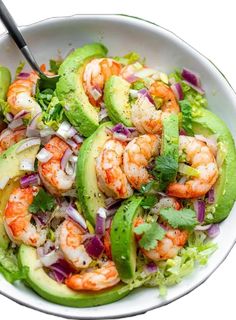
x=162 y=49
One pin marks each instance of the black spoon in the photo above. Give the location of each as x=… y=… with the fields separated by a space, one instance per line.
x=44 y=80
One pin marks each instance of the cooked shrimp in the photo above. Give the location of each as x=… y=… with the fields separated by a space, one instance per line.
x=9 y=137
x=20 y=95
x=144 y=115
x=96 y=73
x=200 y=157
x=165 y=202
x=53 y=177
x=95 y=279
x=137 y=154
x=70 y=240
x=169 y=246
x=17 y=218
x=111 y=178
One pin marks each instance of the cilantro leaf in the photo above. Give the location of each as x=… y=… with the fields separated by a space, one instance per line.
x=165 y=170
x=43 y=97
x=182 y=219
x=187 y=117
x=148 y=202
x=151 y=233
x=42 y=202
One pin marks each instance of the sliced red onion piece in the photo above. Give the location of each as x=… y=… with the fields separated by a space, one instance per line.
x=94 y=247
x=5 y=133
x=200 y=208
x=16 y=124
x=214 y=230
x=44 y=155
x=3 y=182
x=32 y=132
x=150 y=267
x=191 y=77
x=76 y=216
x=9 y=116
x=145 y=93
x=61 y=270
x=102 y=114
x=48 y=246
x=78 y=139
x=66 y=156
x=43 y=218
x=198 y=89
x=21 y=114
x=30 y=142
x=23 y=75
x=65 y=130
x=182 y=132
x=46 y=132
x=72 y=144
x=112 y=205
x=178 y=91
x=100 y=221
x=211 y=196
x=131 y=78
x=27 y=164
x=29 y=180
x=50 y=258
x=202 y=228
x=120 y=136
x=34 y=121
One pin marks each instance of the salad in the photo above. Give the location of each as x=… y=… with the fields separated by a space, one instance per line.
x=117 y=178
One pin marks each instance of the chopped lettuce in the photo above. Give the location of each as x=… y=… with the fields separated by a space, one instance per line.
x=19 y=68
x=4 y=107
x=55 y=65
x=54 y=115
x=172 y=271
x=9 y=266
x=196 y=100
x=128 y=58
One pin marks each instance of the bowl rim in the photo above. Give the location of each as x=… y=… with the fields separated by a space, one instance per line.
x=4 y=35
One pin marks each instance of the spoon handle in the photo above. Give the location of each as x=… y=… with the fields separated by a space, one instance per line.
x=16 y=35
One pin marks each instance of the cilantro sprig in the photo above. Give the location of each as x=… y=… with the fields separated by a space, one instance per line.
x=165 y=170
x=181 y=219
x=187 y=117
x=149 y=201
x=151 y=233
x=42 y=202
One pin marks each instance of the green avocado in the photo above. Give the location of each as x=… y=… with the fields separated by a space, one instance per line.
x=123 y=244
x=116 y=98
x=10 y=170
x=82 y=115
x=90 y=197
x=207 y=123
x=5 y=81
x=52 y=291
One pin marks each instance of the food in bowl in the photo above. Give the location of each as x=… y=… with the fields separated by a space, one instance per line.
x=116 y=179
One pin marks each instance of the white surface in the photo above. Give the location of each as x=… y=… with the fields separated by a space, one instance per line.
x=209 y=31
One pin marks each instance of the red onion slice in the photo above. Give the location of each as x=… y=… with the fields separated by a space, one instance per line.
x=200 y=208
x=21 y=114
x=145 y=93
x=178 y=91
x=44 y=155
x=23 y=75
x=28 y=143
x=27 y=164
x=214 y=230
x=100 y=221
x=211 y=196
x=34 y=121
x=191 y=77
x=29 y=180
x=66 y=156
x=76 y=216
x=150 y=267
x=66 y=131
x=9 y=116
x=198 y=89
x=94 y=247
x=50 y=258
x=78 y=139
x=202 y=228
x=16 y=124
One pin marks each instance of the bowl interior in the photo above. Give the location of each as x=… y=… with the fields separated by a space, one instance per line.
x=164 y=51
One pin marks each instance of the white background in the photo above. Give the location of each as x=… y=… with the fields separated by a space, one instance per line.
x=210 y=27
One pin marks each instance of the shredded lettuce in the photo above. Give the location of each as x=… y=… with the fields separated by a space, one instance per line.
x=9 y=266
x=54 y=115
x=172 y=271
x=4 y=107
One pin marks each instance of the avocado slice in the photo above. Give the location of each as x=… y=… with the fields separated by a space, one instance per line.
x=123 y=244
x=90 y=197
x=9 y=168
x=82 y=115
x=116 y=98
x=207 y=123
x=5 y=81
x=58 y=293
